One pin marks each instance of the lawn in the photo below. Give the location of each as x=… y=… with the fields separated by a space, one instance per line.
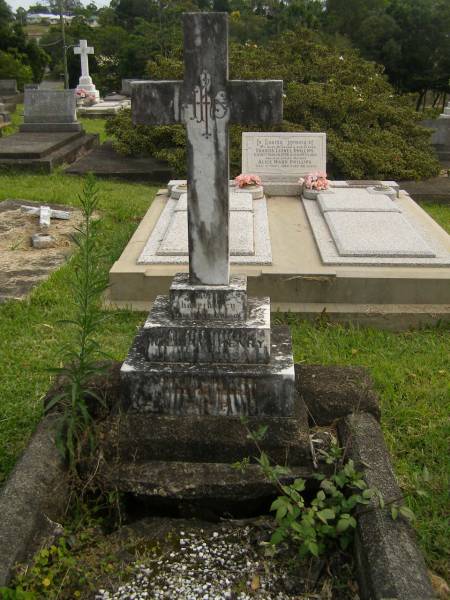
x=411 y=370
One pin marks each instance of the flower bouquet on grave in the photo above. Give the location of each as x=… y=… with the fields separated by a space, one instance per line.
x=313 y=184
x=247 y=180
x=84 y=98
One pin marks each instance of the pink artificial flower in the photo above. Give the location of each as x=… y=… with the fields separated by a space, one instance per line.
x=316 y=181
x=243 y=180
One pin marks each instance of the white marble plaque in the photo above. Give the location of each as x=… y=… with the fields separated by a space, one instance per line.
x=283 y=156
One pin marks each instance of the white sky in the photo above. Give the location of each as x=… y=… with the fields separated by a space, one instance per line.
x=14 y=4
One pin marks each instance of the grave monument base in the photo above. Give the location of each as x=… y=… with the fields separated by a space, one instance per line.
x=35 y=151
x=389 y=296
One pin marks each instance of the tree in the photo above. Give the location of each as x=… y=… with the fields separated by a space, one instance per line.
x=372 y=132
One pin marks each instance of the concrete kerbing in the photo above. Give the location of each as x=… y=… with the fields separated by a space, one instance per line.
x=32 y=499
x=388 y=562
x=333 y=392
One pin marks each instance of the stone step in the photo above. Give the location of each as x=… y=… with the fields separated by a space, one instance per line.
x=205 y=439
x=192 y=301
x=192 y=481
x=212 y=389
x=166 y=339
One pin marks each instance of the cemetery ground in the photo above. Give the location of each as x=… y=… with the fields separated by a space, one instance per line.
x=410 y=369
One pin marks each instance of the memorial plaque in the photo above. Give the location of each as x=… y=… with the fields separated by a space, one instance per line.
x=283 y=156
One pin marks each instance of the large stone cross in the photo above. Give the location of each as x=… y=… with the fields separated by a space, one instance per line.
x=206 y=102
x=84 y=50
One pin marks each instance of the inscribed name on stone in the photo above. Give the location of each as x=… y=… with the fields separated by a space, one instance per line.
x=283 y=156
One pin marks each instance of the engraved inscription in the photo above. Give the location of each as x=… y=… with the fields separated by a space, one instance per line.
x=206 y=345
x=214 y=396
x=204 y=108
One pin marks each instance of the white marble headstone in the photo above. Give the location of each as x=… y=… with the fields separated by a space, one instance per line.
x=283 y=156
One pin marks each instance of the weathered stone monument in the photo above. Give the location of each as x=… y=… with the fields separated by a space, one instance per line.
x=85 y=82
x=50 y=134
x=9 y=94
x=207 y=351
x=50 y=110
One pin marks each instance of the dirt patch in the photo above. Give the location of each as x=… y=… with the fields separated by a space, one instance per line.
x=22 y=266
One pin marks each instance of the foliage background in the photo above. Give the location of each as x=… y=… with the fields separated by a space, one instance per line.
x=372 y=131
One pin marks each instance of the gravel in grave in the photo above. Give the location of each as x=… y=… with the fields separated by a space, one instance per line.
x=220 y=562
x=210 y=566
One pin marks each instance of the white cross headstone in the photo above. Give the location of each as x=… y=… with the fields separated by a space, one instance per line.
x=85 y=82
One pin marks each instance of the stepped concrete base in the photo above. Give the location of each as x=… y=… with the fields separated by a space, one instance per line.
x=37 y=151
x=193 y=481
x=202 y=389
x=169 y=339
x=207 y=439
x=208 y=302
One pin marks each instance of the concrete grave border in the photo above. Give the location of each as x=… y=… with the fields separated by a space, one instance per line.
x=389 y=566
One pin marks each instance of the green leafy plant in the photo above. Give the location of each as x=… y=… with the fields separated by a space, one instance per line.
x=80 y=358
x=317 y=525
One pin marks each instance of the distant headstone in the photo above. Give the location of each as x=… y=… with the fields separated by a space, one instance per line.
x=5 y=118
x=85 y=82
x=283 y=156
x=50 y=111
x=8 y=87
x=31 y=86
x=127 y=86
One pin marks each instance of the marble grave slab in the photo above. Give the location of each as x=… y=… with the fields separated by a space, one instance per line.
x=356 y=227
x=249 y=232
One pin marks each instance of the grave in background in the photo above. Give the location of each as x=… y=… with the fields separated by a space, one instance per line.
x=9 y=94
x=5 y=117
x=50 y=134
x=90 y=104
x=441 y=134
x=357 y=265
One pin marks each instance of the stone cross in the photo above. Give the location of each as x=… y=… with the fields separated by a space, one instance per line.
x=45 y=214
x=83 y=50
x=206 y=102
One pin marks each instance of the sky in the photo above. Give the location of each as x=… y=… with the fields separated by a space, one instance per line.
x=14 y=4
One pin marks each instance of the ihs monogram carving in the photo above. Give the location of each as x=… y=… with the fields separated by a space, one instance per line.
x=206 y=109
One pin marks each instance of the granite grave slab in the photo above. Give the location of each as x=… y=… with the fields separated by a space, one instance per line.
x=50 y=134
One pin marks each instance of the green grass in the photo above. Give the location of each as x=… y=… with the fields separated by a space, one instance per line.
x=411 y=370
